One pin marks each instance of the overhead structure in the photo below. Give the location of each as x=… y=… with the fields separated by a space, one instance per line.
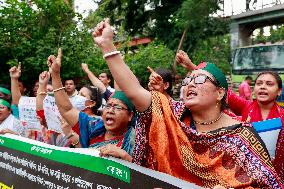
x=245 y=23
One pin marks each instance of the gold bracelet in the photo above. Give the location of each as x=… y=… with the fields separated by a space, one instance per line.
x=42 y=93
x=75 y=143
x=55 y=90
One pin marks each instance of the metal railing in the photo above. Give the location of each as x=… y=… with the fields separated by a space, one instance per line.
x=234 y=7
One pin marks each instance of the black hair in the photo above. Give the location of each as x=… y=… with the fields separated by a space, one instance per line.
x=96 y=96
x=23 y=83
x=108 y=74
x=224 y=104
x=248 y=78
x=167 y=76
x=68 y=79
x=274 y=74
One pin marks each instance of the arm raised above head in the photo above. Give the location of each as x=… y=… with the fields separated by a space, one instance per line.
x=94 y=80
x=41 y=92
x=126 y=80
x=183 y=60
x=68 y=112
x=15 y=73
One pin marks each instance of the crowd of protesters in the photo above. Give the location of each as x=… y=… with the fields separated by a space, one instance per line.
x=206 y=137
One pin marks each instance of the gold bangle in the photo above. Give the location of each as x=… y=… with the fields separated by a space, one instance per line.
x=75 y=143
x=42 y=93
x=55 y=90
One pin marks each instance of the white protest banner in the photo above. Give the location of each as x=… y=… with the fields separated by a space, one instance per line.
x=26 y=163
x=27 y=113
x=52 y=114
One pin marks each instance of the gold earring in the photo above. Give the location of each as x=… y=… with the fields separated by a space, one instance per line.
x=217 y=104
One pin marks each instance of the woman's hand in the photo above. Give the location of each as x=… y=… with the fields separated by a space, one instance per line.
x=103 y=34
x=4 y=131
x=85 y=68
x=44 y=78
x=54 y=63
x=155 y=81
x=15 y=71
x=183 y=59
x=113 y=150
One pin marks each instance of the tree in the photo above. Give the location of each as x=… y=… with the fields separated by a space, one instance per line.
x=29 y=35
x=166 y=20
x=154 y=55
x=215 y=50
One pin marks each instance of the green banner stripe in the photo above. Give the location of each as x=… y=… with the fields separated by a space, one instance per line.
x=91 y=163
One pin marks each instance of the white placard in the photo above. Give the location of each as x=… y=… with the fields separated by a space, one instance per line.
x=27 y=113
x=269 y=130
x=52 y=114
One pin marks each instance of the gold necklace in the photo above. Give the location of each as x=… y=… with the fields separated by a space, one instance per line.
x=210 y=122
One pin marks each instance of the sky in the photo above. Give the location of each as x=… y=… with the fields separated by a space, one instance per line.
x=84 y=6
x=230 y=6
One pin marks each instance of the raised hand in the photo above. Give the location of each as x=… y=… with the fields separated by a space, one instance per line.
x=183 y=59
x=103 y=33
x=85 y=68
x=155 y=80
x=15 y=72
x=54 y=63
x=154 y=76
x=44 y=78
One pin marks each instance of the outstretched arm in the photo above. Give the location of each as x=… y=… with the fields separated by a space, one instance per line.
x=68 y=112
x=94 y=80
x=15 y=73
x=126 y=80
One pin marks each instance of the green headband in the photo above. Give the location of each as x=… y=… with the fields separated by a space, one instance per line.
x=5 y=103
x=5 y=91
x=122 y=97
x=216 y=72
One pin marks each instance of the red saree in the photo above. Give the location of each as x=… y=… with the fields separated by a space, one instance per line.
x=250 y=112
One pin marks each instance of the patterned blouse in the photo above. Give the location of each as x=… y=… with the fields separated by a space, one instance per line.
x=234 y=156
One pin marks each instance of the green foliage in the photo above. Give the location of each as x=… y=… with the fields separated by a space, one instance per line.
x=30 y=35
x=196 y=17
x=165 y=20
x=154 y=55
x=215 y=50
x=276 y=35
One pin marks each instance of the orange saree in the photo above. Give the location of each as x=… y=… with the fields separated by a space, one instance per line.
x=233 y=157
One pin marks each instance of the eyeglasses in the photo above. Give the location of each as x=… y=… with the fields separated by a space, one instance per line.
x=116 y=107
x=199 y=79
